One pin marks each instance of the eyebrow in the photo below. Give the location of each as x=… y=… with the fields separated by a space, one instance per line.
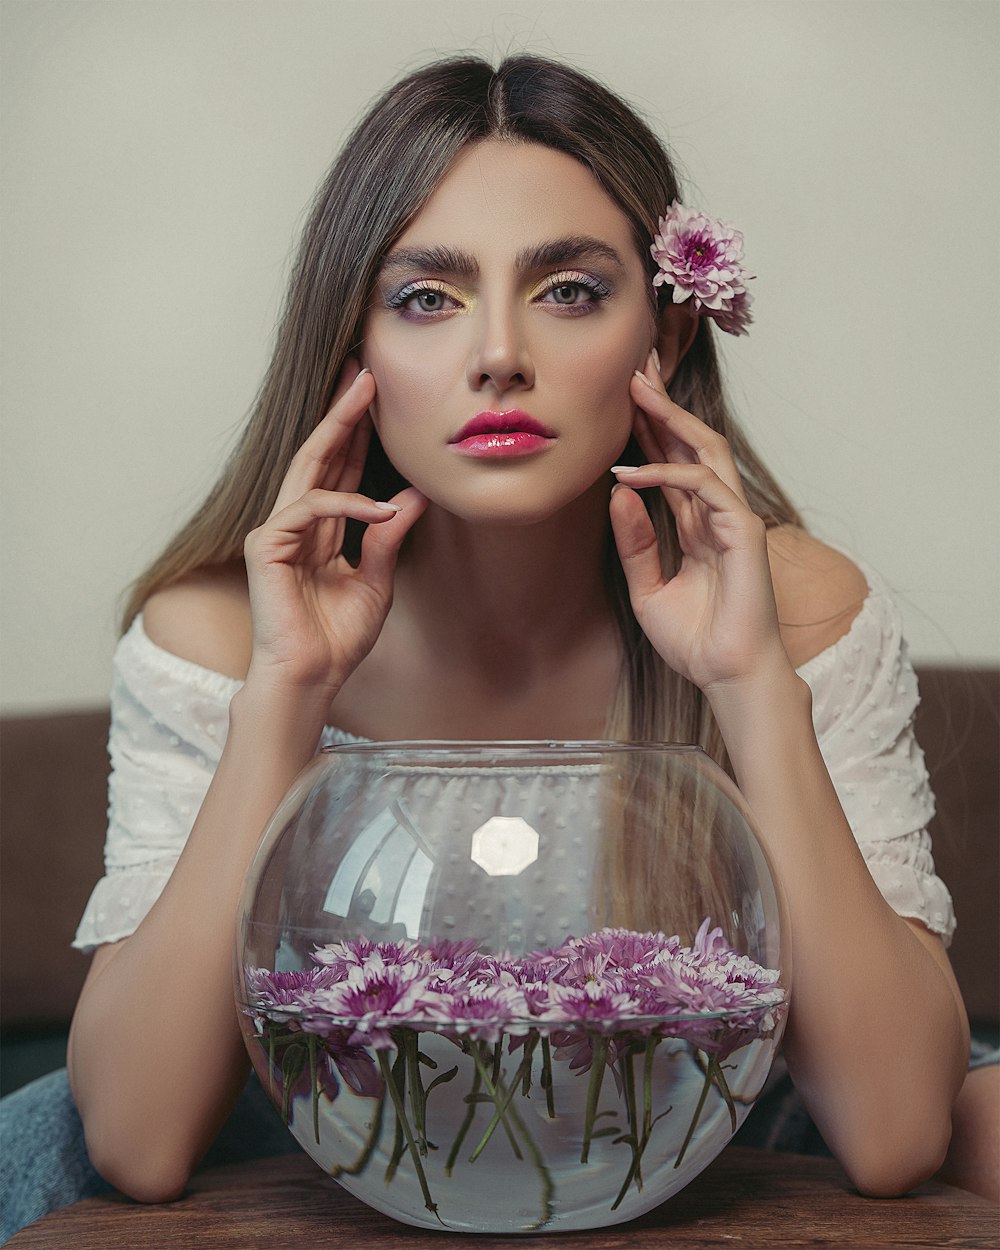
x=456 y=263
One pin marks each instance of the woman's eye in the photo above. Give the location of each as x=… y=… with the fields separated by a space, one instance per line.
x=427 y=301
x=575 y=293
x=568 y=293
x=416 y=301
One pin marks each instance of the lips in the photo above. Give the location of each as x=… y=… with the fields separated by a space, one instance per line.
x=514 y=422
x=498 y=435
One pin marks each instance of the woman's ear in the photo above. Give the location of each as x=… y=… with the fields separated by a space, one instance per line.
x=677 y=325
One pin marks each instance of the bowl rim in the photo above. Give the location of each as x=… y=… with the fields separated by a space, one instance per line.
x=510 y=746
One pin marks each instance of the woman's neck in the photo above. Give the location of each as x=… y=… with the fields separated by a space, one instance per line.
x=478 y=590
x=493 y=633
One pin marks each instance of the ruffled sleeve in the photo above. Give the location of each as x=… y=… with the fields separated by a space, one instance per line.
x=169 y=720
x=864 y=697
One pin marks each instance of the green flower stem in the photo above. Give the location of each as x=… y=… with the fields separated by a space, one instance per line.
x=647 y=1084
x=292 y=1064
x=648 y=1122
x=361 y=1162
x=314 y=1085
x=480 y=1062
x=544 y=1175
x=523 y=1073
x=633 y=1169
x=697 y=1115
x=418 y=1101
x=546 y=1078
x=279 y=1038
x=400 y=1109
x=598 y=1062
x=398 y=1141
x=530 y=1042
x=722 y=1085
x=278 y=1035
x=470 y=1114
x=632 y=1111
x=497 y=1059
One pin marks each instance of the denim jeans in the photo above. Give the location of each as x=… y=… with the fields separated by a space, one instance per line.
x=44 y=1163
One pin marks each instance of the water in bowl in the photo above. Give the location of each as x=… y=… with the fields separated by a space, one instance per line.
x=542 y=1130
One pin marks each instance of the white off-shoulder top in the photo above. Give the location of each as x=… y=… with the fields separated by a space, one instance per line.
x=169 y=719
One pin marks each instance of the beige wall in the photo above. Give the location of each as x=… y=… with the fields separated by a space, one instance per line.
x=159 y=155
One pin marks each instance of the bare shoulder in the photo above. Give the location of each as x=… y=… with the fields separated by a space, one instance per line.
x=204 y=618
x=818 y=590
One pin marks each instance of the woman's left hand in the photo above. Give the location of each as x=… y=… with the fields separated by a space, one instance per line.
x=715 y=620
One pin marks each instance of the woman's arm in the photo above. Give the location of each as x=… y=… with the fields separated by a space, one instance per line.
x=877 y=1037
x=877 y=1040
x=155 y=1056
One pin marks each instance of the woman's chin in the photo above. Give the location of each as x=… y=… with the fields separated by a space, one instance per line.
x=515 y=511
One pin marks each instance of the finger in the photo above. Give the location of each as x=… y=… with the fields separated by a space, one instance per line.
x=657 y=440
x=320 y=459
x=345 y=379
x=284 y=531
x=355 y=457
x=679 y=500
x=698 y=480
x=380 y=544
x=692 y=438
x=690 y=489
x=660 y=445
x=644 y=437
x=635 y=539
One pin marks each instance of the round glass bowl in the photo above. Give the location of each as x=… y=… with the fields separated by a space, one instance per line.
x=511 y=987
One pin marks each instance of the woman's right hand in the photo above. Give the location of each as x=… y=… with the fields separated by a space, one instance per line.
x=315 y=617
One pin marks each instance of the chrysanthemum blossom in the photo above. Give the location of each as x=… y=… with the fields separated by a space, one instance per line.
x=345 y=955
x=612 y=978
x=377 y=996
x=271 y=991
x=482 y=1012
x=701 y=258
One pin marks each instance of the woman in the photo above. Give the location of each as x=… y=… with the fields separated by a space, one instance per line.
x=477 y=311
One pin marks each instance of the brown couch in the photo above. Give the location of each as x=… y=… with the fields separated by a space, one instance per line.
x=52 y=817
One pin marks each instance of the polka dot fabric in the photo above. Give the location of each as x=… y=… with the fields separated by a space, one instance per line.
x=169 y=720
x=864 y=698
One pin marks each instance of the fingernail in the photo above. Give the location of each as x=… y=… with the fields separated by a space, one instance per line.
x=363 y=371
x=390 y=507
x=642 y=377
x=656 y=359
x=624 y=468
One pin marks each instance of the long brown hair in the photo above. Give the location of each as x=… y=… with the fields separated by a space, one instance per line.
x=389 y=166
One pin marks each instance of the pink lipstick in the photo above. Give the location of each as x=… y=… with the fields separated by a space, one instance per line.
x=501 y=434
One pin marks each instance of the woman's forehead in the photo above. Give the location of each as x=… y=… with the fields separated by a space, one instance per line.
x=507 y=198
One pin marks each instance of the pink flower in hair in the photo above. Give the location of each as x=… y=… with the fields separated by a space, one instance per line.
x=701 y=258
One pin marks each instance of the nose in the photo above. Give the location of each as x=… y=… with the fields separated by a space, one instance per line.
x=500 y=357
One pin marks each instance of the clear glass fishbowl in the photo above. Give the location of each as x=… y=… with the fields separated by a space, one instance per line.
x=512 y=987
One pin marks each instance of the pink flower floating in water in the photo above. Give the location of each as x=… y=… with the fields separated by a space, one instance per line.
x=701 y=258
x=609 y=980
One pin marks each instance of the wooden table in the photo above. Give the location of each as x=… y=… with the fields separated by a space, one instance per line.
x=747 y=1198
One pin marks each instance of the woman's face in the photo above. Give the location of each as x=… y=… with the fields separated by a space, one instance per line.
x=505 y=325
